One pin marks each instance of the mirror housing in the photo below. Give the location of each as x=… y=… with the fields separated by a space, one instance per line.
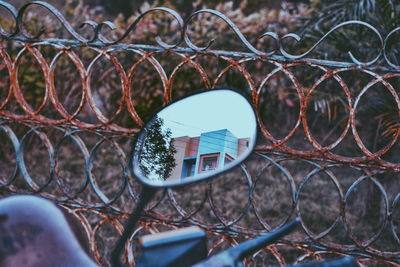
x=195 y=138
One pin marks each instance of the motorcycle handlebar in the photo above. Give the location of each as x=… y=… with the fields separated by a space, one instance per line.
x=342 y=262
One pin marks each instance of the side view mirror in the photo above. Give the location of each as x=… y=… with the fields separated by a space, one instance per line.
x=195 y=138
x=188 y=141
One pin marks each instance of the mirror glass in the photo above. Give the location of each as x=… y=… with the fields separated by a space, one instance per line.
x=195 y=138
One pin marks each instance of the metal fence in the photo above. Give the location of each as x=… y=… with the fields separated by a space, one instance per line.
x=327 y=151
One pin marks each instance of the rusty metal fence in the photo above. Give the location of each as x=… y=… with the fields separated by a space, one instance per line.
x=328 y=151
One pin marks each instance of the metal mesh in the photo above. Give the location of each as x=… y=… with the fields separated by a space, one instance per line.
x=327 y=151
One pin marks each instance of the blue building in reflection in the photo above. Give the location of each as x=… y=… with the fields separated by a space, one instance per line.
x=207 y=152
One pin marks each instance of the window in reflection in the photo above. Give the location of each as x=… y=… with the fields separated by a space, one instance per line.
x=208 y=162
x=188 y=167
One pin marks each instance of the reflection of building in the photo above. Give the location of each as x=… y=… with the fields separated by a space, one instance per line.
x=209 y=151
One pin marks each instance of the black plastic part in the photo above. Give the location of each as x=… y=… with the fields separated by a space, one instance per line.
x=182 y=250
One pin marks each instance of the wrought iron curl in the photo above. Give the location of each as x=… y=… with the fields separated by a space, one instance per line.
x=349 y=108
x=290 y=181
x=387 y=39
x=307 y=228
x=184 y=39
x=132 y=27
x=394 y=206
x=229 y=222
x=55 y=168
x=14 y=13
x=235 y=29
x=55 y=12
x=16 y=146
x=297 y=38
x=375 y=236
x=34 y=186
x=96 y=28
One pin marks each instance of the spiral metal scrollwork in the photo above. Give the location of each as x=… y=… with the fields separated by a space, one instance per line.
x=184 y=41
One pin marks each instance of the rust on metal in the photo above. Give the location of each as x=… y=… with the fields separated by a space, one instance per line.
x=91 y=200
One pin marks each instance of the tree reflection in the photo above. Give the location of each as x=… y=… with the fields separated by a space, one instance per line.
x=157 y=158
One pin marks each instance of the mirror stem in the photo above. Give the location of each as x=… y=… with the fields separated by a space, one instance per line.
x=146 y=195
